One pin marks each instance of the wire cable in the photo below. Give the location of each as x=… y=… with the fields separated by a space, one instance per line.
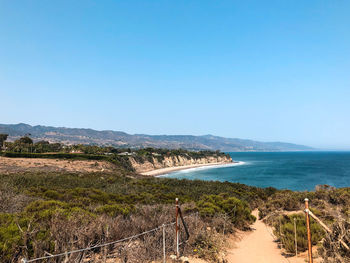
x=100 y=245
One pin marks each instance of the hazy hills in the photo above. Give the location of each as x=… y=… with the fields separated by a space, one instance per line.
x=122 y=139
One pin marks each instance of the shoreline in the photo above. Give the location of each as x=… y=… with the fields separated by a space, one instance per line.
x=167 y=170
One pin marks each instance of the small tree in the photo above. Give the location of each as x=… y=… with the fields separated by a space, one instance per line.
x=23 y=144
x=3 y=138
x=26 y=140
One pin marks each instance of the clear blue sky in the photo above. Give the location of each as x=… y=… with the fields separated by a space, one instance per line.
x=264 y=70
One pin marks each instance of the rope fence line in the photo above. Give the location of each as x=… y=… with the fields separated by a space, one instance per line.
x=176 y=222
x=308 y=215
x=163 y=226
x=90 y=248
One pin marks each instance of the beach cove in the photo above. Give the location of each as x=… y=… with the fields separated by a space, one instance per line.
x=192 y=167
x=283 y=170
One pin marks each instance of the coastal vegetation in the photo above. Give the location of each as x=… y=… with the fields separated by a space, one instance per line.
x=329 y=204
x=284 y=231
x=48 y=212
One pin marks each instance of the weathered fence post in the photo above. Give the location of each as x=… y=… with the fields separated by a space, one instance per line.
x=223 y=231
x=177 y=227
x=295 y=237
x=164 y=251
x=309 y=244
x=66 y=259
x=105 y=250
x=279 y=219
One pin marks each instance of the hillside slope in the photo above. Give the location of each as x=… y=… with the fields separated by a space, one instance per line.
x=122 y=139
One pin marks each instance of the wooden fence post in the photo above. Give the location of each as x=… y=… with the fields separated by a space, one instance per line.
x=177 y=227
x=295 y=237
x=309 y=244
x=105 y=249
x=164 y=250
x=279 y=219
x=223 y=231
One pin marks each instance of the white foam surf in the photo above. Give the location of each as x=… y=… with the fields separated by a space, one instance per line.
x=207 y=167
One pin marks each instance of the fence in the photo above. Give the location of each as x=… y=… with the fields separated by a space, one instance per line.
x=130 y=238
x=308 y=214
x=176 y=223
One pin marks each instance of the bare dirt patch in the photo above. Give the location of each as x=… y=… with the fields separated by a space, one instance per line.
x=15 y=165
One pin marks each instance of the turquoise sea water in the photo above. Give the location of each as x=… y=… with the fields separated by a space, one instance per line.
x=282 y=170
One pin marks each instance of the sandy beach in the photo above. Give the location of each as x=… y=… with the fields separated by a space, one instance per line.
x=167 y=170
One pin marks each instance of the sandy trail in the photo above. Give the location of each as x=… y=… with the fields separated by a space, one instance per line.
x=258 y=246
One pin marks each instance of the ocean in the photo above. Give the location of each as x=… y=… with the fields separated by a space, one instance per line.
x=283 y=170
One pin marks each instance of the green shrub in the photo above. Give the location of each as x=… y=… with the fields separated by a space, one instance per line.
x=340 y=196
x=60 y=198
x=10 y=237
x=52 y=194
x=205 y=247
x=238 y=212
x=285 y=226
x=115 y=210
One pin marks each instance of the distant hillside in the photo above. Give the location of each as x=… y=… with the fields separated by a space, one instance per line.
x=122 y=139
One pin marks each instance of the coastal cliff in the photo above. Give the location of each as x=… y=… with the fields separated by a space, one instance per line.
x=154 y=162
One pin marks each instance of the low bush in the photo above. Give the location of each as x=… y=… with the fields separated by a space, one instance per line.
x=66 y=211
x=115 y=210
x=237 y=211
x=284 y=230
x=332 y=251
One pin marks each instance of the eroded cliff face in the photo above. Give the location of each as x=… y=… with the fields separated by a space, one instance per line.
x=174 y=161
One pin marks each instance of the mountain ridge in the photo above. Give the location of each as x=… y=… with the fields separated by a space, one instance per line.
x=123 y=139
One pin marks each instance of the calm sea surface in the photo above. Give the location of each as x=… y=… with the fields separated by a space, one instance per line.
x=286 y=170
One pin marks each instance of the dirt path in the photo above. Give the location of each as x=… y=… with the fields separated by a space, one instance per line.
x=258 y=246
